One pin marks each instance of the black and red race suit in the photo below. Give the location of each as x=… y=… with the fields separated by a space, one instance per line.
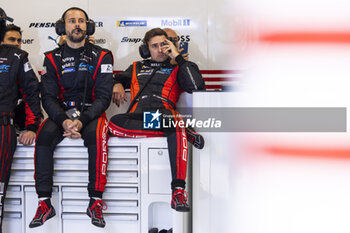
x=16 y=79
x=69 y=75
x=157 y=86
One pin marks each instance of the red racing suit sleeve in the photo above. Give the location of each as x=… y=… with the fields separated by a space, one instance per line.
x=103 y=88
x=29 y=88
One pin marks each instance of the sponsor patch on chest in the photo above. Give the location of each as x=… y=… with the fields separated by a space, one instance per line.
x=4 y=68
x=106 y=68
x=145 y=72
x=27 y=67
x=165 y=71
x=68 y=70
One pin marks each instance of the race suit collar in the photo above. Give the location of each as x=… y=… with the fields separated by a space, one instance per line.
x=152 y=63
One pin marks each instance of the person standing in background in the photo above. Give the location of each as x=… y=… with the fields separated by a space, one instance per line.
x=17 y=77
x=13 y=36
x=173 y=37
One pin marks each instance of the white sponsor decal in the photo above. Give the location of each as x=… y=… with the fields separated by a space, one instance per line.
x=27 y=67
x=104 y=149
x=184 y=143
x=68 y=59
x=17 y=55
x=106 y=68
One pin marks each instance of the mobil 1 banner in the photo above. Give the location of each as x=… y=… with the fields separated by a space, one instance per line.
x=247 y=119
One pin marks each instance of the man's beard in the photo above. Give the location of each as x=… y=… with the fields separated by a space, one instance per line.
x=76 y=39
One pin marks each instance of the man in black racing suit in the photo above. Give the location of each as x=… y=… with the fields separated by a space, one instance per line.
x=155 y=85
x=16 y=78
x=76 y=90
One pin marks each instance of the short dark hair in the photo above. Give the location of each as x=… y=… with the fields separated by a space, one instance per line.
x=75 y=9
x=10 y=27
x=152 y=33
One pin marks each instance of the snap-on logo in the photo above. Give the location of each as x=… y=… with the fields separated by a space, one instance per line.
x=131 y=40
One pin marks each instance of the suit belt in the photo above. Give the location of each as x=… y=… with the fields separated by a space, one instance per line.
x=158 y=97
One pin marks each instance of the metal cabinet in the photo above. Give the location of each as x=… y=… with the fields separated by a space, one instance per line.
x=137 y=192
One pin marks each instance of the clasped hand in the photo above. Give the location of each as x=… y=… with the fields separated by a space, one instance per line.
x=72 y=128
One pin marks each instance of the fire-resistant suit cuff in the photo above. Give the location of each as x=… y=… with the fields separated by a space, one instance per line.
x=180 y=60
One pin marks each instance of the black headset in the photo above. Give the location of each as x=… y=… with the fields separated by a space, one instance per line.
x=60 y=26
x=144 y=50
x=3 y=18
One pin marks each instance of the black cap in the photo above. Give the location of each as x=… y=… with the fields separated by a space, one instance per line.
x=3 y=16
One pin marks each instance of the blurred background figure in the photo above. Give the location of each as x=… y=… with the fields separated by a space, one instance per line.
x=173 y=37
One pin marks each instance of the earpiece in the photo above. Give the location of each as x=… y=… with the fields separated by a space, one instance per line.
x=144 y=50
